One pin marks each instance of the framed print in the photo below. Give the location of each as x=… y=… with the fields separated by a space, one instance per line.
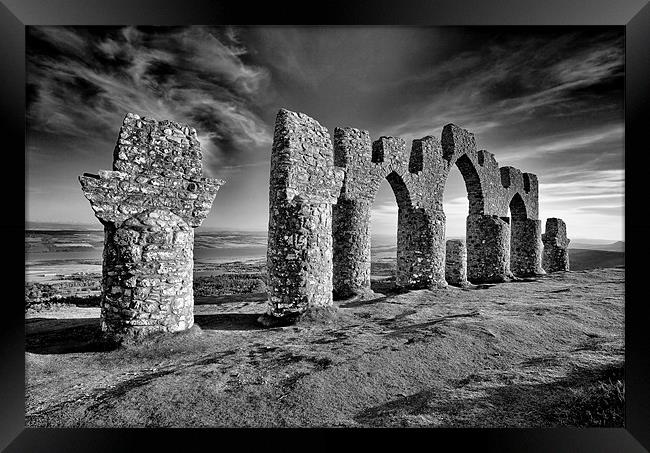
x=381 y=217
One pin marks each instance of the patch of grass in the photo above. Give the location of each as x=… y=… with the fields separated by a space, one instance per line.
x=219 y=285
x=599 y=403
x=42 y=296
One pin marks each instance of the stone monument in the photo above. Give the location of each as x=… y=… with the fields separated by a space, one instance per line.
x=149 y=205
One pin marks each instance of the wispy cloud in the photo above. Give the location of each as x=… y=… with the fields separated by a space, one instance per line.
x=196 y=75
x=504 y=84
x=541 y=147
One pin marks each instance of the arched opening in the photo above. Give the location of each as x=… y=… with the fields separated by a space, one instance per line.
x=524 y=247
x=391 y=195
x=517 y=208
x=463 y=196
x=455 y=205
x=472 y=184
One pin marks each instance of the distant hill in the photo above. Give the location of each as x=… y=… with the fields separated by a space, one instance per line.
x=51 y=226
x=583 y=259
x=618 y=246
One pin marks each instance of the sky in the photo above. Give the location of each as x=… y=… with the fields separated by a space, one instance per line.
x=547 y=100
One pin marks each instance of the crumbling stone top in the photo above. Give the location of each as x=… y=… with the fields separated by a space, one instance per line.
x=418 y=178
x=156 y=164
x=149 y=146
x=302 y=162
x=555 y=233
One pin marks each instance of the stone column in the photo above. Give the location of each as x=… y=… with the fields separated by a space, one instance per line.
x=147 y=275
x=456 y=262
x=149 y=205
x=351 y=235
x=556 y=252
x=420 y=248
x=488 y=249
x=304 y=184
x=526 y=247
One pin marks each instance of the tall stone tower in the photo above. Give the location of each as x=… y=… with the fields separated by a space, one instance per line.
x=149 y=205
x=304 y=184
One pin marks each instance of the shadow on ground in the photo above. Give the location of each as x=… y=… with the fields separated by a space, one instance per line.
x=229 y=321
x=585 y=397
x=65 y=336
x=230 y=298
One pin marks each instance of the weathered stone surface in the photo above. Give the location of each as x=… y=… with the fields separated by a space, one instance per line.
x=352 y=263
x=556 y=243
x=526 y=247
x=488 y=238
x=303 y=175
x=456 y=262
x=147 y=274
x=148 y=205
x=418 y=181
x=421 y=225
x=304 y=184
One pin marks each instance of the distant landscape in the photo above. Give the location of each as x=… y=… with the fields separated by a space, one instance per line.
x=52 y=253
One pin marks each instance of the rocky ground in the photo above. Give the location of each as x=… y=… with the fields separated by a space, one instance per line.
x=545 y=352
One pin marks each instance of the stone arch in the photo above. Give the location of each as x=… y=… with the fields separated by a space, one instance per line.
x=366 y=165
x=487 y=231
x=472 y=184
x=514 y=183
x=476 y=207
x=400 y=190
x=525 y=240
x=518 y=208
x=305 y=163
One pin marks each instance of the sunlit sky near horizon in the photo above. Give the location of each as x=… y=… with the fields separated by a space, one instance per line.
x=548 y=100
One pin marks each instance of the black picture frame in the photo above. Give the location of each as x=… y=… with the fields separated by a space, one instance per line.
x=634 y=15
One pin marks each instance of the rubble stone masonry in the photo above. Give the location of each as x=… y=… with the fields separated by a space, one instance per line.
x=556 y=243
x=149 y=205
x=503 y=230
x=304 y=184
x=456 y=262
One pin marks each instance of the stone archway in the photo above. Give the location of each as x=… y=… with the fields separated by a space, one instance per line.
x=517 y=208
x=456 y=257
x=525 y=240
x=352 y=238
x=314 y=181
x=472 y=184
x=366 y=165
x=487 y=229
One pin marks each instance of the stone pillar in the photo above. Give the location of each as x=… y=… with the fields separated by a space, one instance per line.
x=420 y=248
x=456 y=262
x=526 y=247
x=488 y=249
x=147 y=274
x=351 y=214
x=149 y=206
x=351 y=235
x=304 y=184
x=556 y=252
